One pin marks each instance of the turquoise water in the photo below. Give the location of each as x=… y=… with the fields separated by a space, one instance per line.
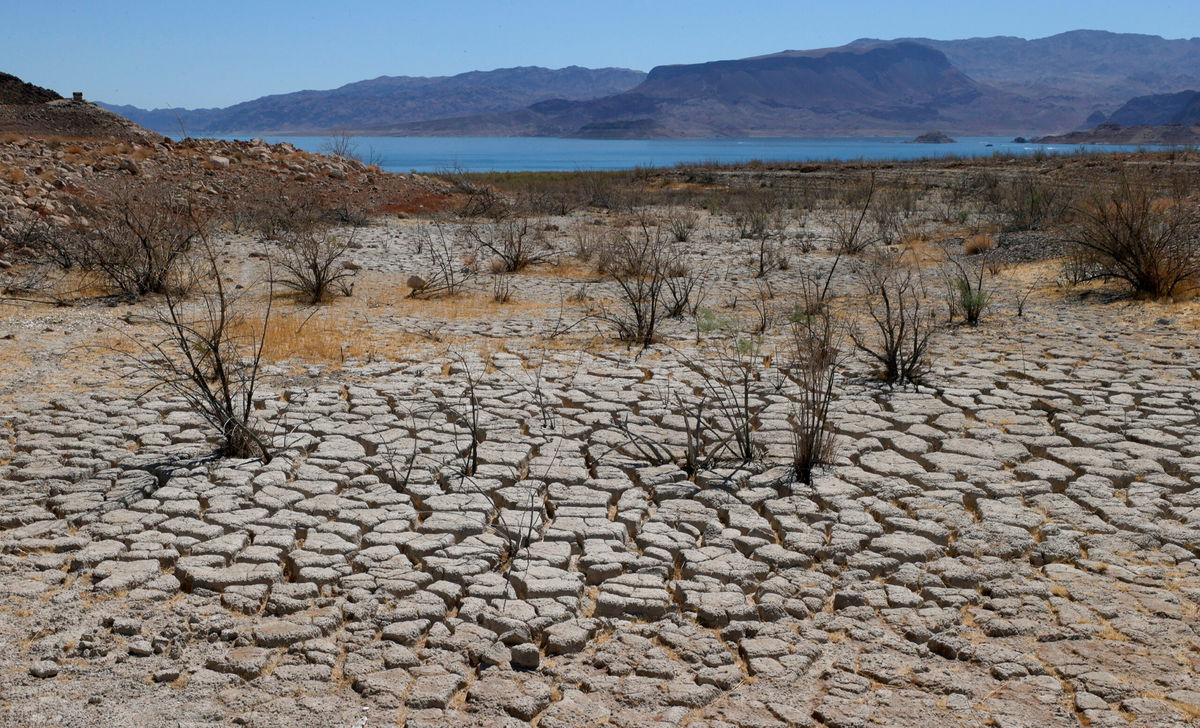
x=488 y=154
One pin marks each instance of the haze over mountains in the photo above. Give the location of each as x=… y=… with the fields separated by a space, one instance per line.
x=1086 y=68
x=386 y=101
x=1179 y=108
x=879 y=89
x=999 y=85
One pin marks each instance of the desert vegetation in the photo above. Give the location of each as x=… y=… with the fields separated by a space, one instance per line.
x=735 y=442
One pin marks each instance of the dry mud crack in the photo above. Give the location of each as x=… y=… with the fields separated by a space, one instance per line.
x=1015 y=545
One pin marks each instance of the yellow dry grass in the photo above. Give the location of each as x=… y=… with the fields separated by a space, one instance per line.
x=80 y=284
x=12 y=356
x=566 y=267
x=376 y=294
x=10 y=137
x=922 y=249
x=317 y=337
x=12 y=175
x=977 y=244
x=1043 y=277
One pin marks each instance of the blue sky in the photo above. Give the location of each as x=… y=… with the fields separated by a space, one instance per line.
x=169 y=53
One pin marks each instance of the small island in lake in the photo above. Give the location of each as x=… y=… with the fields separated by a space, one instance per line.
x=932 y=137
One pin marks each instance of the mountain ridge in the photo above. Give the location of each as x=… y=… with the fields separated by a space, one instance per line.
x=999 y=84
x=1175 y=109
x=1090 y=69
x=386 y=100
x=886 y=88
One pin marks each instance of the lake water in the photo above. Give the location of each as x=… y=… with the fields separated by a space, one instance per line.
x=487 y=154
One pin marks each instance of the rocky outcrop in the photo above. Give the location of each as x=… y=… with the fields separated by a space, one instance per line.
x=1110 y=133
x=15 y=91
x=1181 y=108
x=932 y=137
x=31 y=110
x=70 y=119
x=51 y=180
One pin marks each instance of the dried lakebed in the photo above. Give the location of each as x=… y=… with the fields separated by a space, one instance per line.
x=1014 y=545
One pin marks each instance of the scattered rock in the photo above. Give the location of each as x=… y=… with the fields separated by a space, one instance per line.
x=43 y=669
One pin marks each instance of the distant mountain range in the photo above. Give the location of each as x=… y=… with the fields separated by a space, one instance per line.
x=880 y=89
x=1181 y=108
x=1086 y=69
x=382 y=103
x=998 y=85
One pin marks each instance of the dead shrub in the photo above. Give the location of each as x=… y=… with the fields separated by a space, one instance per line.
x=901 y=323
x=754 y=212
x=682 y=223
x=202 y=356
x=313 y=264
x=1028 y=202
x=721 y=413
x=1129 y=234
x=501 y=288
x=139 y=238
x=588 y=239
x=817 y=353
x=848 y=227
x=448 y=274
x=685 y=292
x=514 y=244
x=639 y=262
x=279 y=211
x=478 y=200
x=968 y=288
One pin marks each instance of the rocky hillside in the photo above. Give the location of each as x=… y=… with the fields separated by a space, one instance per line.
x=886 y=88
x=1159 y=109
x=1110 y=133
x=389 y=100
x=1088 y=70
x=29 y=110
x=52 y=180
x=15 y=91
x=70 y=119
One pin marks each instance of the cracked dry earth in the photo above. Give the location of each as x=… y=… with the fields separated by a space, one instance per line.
x=1015 y=545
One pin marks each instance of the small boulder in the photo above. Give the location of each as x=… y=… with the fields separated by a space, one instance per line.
x=526 y=655
x=245 y=662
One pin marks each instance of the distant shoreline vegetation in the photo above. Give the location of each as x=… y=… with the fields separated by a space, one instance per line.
x=554 y=154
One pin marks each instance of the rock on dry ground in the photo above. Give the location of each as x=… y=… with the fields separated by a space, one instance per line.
x=1014 y=544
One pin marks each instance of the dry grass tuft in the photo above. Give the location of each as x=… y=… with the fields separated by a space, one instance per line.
x=566 y=268
x=81 y=284
x=13 y=175
x=383 y=294
x=977 y=244
x=320 y=338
